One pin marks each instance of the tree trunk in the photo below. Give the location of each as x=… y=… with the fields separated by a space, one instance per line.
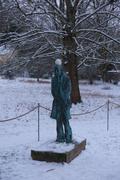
x=72 y=66
x=70 y=63
x=69 y=49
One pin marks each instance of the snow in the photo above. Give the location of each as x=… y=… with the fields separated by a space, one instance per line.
x=4 y=50
x=100 y=160
x=115 y=71
x=54 y=147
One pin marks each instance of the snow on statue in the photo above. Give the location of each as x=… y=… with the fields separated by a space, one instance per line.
x=61 y=90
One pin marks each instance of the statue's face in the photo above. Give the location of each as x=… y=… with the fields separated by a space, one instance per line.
x=58 y=70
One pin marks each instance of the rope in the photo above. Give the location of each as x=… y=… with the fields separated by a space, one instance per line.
x=115 y=103
x=78 y=114
x=89 y=111
x=45 y=108
x=19 y=116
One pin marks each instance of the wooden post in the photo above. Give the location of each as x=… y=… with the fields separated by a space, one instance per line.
x=38 y=122
x=108 y=109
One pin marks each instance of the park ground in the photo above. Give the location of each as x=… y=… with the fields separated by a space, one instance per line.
x=100 y=160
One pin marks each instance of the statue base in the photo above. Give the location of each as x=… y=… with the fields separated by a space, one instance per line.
x=58 y=152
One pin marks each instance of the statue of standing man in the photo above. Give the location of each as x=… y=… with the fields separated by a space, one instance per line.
x=61 y=91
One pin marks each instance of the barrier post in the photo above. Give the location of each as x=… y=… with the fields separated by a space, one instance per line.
x=108 y=109
x=38 y=122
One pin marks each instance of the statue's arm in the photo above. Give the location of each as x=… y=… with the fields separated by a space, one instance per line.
x=54 y=88
x=66 y=91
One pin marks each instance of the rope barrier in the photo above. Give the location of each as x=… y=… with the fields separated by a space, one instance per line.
x=115 y=103
x=11 y=119
x=89 y=111
x=78 y=114
x=45 y=108
x=48 y=109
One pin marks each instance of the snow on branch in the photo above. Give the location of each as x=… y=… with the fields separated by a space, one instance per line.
x=50 y=43
x=45 y=55
x=18 y=6
x=14 y=37
x=77 y=2
x=110 y=13
x=60 y=13
x=100 y=32
x=88 y=16
x=79 y=65
x=41 y=50
x=99 y=44
x=27 y=35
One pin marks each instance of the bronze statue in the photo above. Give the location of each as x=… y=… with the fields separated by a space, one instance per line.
x=61 y=91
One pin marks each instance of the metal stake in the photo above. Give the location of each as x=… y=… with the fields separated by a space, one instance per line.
x=108 y=109
x=38 y=122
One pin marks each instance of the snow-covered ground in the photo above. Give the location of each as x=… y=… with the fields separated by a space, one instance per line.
x=100 y=160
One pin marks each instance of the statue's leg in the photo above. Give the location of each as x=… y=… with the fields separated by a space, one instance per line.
x=68 y=130
x=60 y=132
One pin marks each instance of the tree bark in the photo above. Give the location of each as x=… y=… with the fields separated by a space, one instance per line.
x=70 y=63
x=69 y=49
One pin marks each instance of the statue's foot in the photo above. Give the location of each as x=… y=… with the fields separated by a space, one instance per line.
x=68 y=141
x=60 y=140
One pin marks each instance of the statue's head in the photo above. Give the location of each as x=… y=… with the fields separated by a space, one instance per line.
x=58 y=62
x=58 y=69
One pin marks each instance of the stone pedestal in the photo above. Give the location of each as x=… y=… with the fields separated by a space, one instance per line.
x=54 y=154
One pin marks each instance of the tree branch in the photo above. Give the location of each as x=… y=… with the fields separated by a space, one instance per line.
x=88 y=16
x=100 y=32
x=18 y=6
x=76 y=2
x=60 y=13
x=107 y=12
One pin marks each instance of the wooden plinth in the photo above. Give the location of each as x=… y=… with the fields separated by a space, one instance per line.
x=50 y=156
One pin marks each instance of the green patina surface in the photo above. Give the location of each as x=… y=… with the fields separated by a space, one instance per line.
x=61 y=90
